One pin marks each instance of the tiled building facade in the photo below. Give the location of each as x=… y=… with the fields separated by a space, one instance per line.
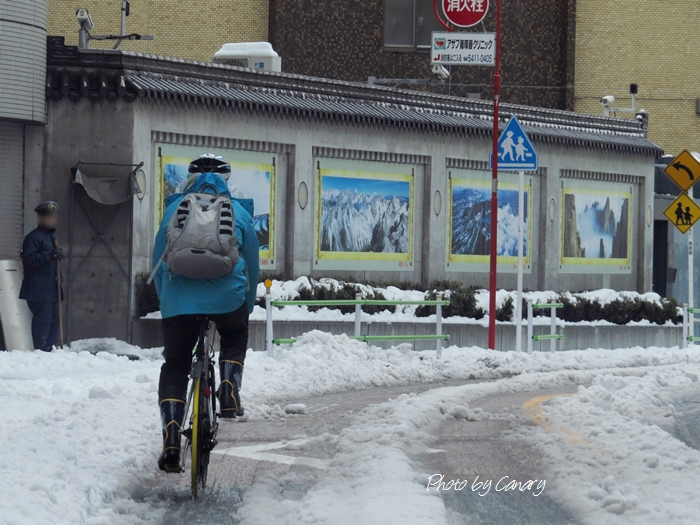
x=350 y=43
x=182 y=29
x=347 y=40
x=653 y=44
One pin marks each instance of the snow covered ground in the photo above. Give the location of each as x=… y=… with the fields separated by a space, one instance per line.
x=80 y=432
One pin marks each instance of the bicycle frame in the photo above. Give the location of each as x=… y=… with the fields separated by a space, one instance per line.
x=200 y=409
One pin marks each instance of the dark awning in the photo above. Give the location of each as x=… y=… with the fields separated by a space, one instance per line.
x=105 y=189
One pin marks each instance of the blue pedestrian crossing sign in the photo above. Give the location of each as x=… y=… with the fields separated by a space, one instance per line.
x=515 y=151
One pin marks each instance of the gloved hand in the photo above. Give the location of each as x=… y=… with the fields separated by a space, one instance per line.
x=57 y=254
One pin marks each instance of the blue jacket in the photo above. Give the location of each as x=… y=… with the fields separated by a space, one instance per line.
x=39 y=282
x=180 y=295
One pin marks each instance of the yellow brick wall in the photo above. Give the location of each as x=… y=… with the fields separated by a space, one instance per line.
x=653 y=43
x=184 y=29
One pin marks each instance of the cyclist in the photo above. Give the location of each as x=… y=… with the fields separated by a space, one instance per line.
x=227 y=301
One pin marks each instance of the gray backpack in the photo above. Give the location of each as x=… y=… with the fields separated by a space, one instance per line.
x=201 y=240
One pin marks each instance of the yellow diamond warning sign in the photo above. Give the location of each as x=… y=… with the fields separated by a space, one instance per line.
x=683 y=213
x=684 y=170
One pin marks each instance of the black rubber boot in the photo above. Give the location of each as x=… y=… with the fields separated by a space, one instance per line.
x=230 y=390
x=172 y=411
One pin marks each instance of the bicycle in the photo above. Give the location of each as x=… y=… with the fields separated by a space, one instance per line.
x=200 y=410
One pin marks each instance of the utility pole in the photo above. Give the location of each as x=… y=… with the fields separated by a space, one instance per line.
x=494 y=185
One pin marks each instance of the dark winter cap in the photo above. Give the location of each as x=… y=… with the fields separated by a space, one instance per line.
x=47 y=208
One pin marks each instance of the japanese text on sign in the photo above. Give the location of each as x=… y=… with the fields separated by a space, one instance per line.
x=465 y=13
x=463 y=48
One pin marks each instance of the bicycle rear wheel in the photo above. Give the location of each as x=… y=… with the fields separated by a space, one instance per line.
x=203 y=421
x=195 y=443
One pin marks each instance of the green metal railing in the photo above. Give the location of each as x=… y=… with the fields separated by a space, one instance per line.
x=535 y=306
x=365 y=338
x=545 y=337
x=553 y=336
x=358 y=302
x=688 y=324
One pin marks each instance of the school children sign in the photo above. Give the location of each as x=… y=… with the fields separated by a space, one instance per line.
x=684 y=170
x=515 y=151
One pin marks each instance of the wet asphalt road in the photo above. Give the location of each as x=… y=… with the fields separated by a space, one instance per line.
x=467 y=449
x=482 y=448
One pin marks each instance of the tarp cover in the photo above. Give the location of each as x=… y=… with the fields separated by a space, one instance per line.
x=106 y=190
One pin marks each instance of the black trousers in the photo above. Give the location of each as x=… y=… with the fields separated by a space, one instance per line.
x=180 y=337
x=44 y=324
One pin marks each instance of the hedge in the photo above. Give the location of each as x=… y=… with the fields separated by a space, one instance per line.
x=462 y=303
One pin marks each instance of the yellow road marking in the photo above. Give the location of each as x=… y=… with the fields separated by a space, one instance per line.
x=533 y=408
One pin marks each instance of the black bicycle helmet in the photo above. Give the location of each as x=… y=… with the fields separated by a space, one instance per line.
x=209 y=163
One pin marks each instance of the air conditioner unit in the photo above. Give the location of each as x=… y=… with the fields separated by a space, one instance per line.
x=254 y=55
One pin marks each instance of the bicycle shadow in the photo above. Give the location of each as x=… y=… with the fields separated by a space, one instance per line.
x=217 y=504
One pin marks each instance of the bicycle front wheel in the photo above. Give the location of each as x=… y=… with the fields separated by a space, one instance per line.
x=195 y=444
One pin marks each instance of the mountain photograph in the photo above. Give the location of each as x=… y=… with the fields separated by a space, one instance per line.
x=364 y=215
x=471 y=221
x=595 y=226
x=254 y=184
x=173 y=175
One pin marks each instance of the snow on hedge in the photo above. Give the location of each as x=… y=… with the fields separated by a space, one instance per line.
x=289 y=290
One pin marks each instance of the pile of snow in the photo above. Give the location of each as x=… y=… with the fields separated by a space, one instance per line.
x=79 y=432
x=82 y=430
x=627 y=468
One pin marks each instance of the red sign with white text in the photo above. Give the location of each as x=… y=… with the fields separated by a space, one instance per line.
x=465 y=13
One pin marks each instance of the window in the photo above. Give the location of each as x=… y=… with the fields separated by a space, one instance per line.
x=409 y=23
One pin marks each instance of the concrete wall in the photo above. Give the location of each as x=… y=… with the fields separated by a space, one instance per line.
x=148 y=334
x=430 y=229
x=96 y=288
x=100 y=300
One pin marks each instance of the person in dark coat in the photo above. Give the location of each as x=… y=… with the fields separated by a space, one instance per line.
x=40 y=252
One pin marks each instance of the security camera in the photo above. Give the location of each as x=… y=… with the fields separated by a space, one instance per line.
x=84 y=19
x=607 y=101
x=440 y=72
x=642 y=115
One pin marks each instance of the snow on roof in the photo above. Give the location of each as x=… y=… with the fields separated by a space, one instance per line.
x=244 y=50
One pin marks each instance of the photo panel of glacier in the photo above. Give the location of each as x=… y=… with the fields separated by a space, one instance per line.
x=365 y=216
x=597 y=226
x=469 y=221
x=249 y=180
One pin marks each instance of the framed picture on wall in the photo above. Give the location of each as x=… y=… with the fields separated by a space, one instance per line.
x=596 y=227
x=469 y=221
x=364 y=212
x=252 y=177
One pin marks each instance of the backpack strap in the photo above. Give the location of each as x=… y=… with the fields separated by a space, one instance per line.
x=155 y=269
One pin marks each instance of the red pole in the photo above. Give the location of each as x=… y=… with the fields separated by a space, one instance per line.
x=437 y=15
x=494 y=185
